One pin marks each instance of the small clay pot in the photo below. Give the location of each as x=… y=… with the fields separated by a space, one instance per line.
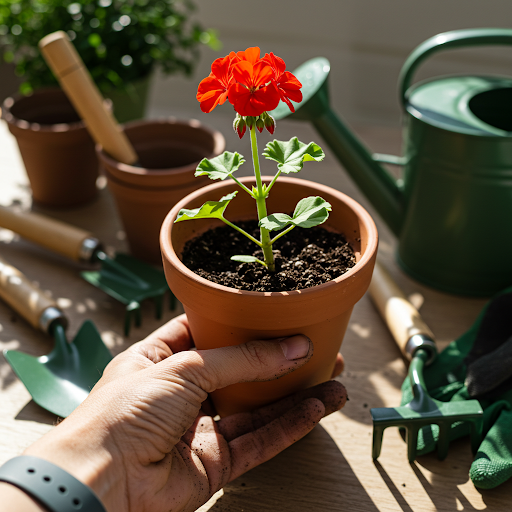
x=221 y=316
x=169 y=152
x=55 y=146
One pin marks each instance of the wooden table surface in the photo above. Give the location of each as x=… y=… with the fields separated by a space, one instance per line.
x=331 y=469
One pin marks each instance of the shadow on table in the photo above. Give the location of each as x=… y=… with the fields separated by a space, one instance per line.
x=33 y=412
x=445 y=489
x=311 y=475
x=393 y=488
x=454 y=472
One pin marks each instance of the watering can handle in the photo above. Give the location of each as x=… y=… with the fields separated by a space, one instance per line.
x=448 y=41
x=39 y=309
x=52 y=234
x=401 y=317
x=69 y=69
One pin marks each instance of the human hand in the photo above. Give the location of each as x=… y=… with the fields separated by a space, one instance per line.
x=141 y=440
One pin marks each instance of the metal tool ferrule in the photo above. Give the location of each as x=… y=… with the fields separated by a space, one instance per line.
x=50 y=315
x=90 y=245
x=424 y=342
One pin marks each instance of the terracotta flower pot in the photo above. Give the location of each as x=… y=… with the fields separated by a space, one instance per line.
x=55 y=146
x=221 y=316
x=169 y=152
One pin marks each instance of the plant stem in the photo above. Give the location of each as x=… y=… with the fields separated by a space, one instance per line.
x=287 y=230
x=261 y=205
x=240 y=230
x=273 y=181
x=242 y=186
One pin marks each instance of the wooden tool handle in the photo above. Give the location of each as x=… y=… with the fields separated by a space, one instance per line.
x=52 y=234
x=68 y=67
x=23 y=296
x=401 y=317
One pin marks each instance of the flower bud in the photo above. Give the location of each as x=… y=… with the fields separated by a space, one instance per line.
x=260 y=124
x=270 y=123
x=240 y=127
x=249 y=121
x=235 y=122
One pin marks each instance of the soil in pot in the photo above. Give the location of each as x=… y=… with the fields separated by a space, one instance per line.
x=304 y=258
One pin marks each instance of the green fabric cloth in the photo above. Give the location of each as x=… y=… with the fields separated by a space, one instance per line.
x=444 y=379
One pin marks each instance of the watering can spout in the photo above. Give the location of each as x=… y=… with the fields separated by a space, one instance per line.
x=382 y=190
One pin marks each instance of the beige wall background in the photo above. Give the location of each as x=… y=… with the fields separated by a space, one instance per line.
x=366 y=41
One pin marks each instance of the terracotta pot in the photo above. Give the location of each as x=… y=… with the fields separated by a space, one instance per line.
x=221 y=316
x=55 y=146
x=169 y=152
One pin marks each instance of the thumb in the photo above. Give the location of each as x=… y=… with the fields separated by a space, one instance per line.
x=251 y=361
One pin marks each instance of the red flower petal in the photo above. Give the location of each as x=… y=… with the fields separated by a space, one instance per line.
x=242 y=73
x=276 y=63
x=262 y=73
x=251 y=55
x=221 y=69
x=253 y=103
x=212 y=90
x=211 y=93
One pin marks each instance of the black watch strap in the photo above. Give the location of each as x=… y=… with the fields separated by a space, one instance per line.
x=53 y=487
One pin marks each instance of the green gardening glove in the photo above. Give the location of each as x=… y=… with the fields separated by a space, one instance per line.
x=477 y=365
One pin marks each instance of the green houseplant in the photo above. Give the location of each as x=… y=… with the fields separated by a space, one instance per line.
x=120 y=41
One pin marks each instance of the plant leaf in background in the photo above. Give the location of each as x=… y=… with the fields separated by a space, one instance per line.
x=209 y=210
x=290 y=156
x=309 y=212
x=119 y=41
x=220 y=167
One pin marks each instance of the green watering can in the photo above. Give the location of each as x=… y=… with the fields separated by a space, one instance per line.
x=452 y=211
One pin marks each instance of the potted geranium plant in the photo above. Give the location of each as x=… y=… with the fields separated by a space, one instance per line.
x=121 y=43
x=215 y=281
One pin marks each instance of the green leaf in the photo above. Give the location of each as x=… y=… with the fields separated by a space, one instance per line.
x=220 y=167
x=290 y=156
x=247 y=259
x=209 y=210
x=309 y=212
x=275 y=221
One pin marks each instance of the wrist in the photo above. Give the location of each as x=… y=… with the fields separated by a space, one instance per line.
x=82 y=450
x=14 y=498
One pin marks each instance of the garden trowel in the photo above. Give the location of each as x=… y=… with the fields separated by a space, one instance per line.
x=123 y=277
x=60 y=381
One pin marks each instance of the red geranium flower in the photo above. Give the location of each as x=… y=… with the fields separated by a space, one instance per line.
x=286 y=82
x=213 y=90
x=251 y=84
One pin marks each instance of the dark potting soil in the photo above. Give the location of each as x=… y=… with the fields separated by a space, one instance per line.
x=304 y=258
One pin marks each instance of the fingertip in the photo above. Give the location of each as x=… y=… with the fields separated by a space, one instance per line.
x=335 y=396
x=339 y=366
x=296 y=347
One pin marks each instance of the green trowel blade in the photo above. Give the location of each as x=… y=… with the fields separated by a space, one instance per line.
x=60 y=381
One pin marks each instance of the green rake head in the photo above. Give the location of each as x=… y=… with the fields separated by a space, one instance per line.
x=130 y=281
x=424 y=411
